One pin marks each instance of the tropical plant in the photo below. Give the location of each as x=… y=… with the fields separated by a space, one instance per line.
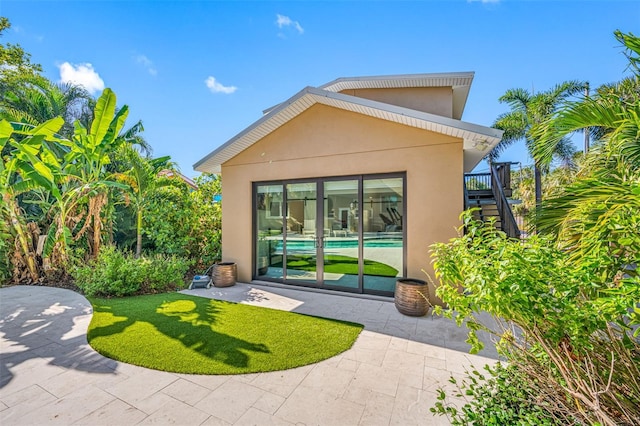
x=115 y=273
x=27 y=169
x=528 y=110
x=87 y=158
x=568 y=295
x=569 y=327
x=37 y=100
x=599 y=210
x=143 y=181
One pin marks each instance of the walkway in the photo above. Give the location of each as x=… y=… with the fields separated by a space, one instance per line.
x=50 y=375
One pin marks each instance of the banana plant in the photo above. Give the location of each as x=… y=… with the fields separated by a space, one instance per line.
x=88 y=157
x=23 y=171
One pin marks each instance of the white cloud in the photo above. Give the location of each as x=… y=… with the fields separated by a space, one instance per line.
x=284 y=21
x=217 y=87
x=483 y=1
x=81 y=74
x=147 y=63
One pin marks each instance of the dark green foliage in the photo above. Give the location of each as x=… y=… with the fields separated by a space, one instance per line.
x=5 y=263
x=115 y=273
x=574 y=320
x=186 y=223
x=502 y=395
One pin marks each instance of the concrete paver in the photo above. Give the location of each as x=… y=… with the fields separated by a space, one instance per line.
x=49 y=373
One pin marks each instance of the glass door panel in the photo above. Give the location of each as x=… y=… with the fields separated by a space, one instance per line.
x=269 y=240
x=301 y=237
x=340 y=229
x=382 y=233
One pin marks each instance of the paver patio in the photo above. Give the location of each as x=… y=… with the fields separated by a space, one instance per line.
x=50 y=375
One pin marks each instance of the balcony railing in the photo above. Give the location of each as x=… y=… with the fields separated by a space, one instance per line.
x=498 y=183
x=477 y=181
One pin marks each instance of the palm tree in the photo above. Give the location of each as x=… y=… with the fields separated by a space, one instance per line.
x=143 y=181
x=37 y=100
x=602 y=204
x=528 y=110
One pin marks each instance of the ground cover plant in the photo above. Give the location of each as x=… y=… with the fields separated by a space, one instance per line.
x=188 y=334
x=114 y=273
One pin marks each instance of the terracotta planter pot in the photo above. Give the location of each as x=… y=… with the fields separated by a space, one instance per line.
x=412 y=297
x=225 y=274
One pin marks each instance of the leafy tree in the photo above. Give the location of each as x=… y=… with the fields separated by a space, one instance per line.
x=15 y=63
x=600 y=208
x=186 y=222
x=143 y=182
x=569 y=295
x=568 y=326
x=528 y=110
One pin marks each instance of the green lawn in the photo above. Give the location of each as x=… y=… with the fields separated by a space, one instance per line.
x=339 y=265
x=188 y=334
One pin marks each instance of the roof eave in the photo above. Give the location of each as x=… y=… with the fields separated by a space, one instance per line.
x=473 y=135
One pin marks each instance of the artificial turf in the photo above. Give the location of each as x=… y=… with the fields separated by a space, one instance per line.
x=189 y=334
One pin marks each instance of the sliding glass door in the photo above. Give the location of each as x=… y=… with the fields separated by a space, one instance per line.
x=336 y=233
x=301 y=237
x=341 y=235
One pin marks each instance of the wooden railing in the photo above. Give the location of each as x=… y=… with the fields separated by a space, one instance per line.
x=507 y=220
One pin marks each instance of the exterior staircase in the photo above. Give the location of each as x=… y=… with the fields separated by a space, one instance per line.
x=490 y=193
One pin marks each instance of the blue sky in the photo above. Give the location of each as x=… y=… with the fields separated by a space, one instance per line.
x=198 y=72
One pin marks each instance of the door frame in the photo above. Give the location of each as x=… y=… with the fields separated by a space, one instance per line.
x=320 y=195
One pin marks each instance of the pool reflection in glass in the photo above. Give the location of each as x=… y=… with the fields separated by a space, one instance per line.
x=382 y=214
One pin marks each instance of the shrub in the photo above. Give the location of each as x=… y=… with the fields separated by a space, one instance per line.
x=501 y=396
x=186 y=223
x=115 y=273
x=567 y=326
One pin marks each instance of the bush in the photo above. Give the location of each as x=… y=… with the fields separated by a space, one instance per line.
x=115 y=273
x=502 y=397
x=186 y=223
x=568 y=326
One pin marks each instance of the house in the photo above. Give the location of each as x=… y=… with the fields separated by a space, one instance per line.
x=345 y=186
x=171 y=174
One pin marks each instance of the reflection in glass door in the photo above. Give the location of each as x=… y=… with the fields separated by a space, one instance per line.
x=269 y=220
x=353 y=240
x=383 y=235
x=301 y=238
x=341 y=230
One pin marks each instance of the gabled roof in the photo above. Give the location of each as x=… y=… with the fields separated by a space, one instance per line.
x=478 y=140
x=460 y=82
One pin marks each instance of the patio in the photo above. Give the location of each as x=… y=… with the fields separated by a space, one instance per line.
x=49 y=374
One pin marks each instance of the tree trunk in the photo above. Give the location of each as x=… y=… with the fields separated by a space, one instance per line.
x=139 y=234
x=538 y=182
x=23 y=240
x=95 y=208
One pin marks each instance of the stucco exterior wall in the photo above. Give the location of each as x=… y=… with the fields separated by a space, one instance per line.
x=325 y=141
x=434 y=100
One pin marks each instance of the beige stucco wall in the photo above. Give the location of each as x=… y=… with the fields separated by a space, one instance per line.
x=435 y=100
x=325 y=141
